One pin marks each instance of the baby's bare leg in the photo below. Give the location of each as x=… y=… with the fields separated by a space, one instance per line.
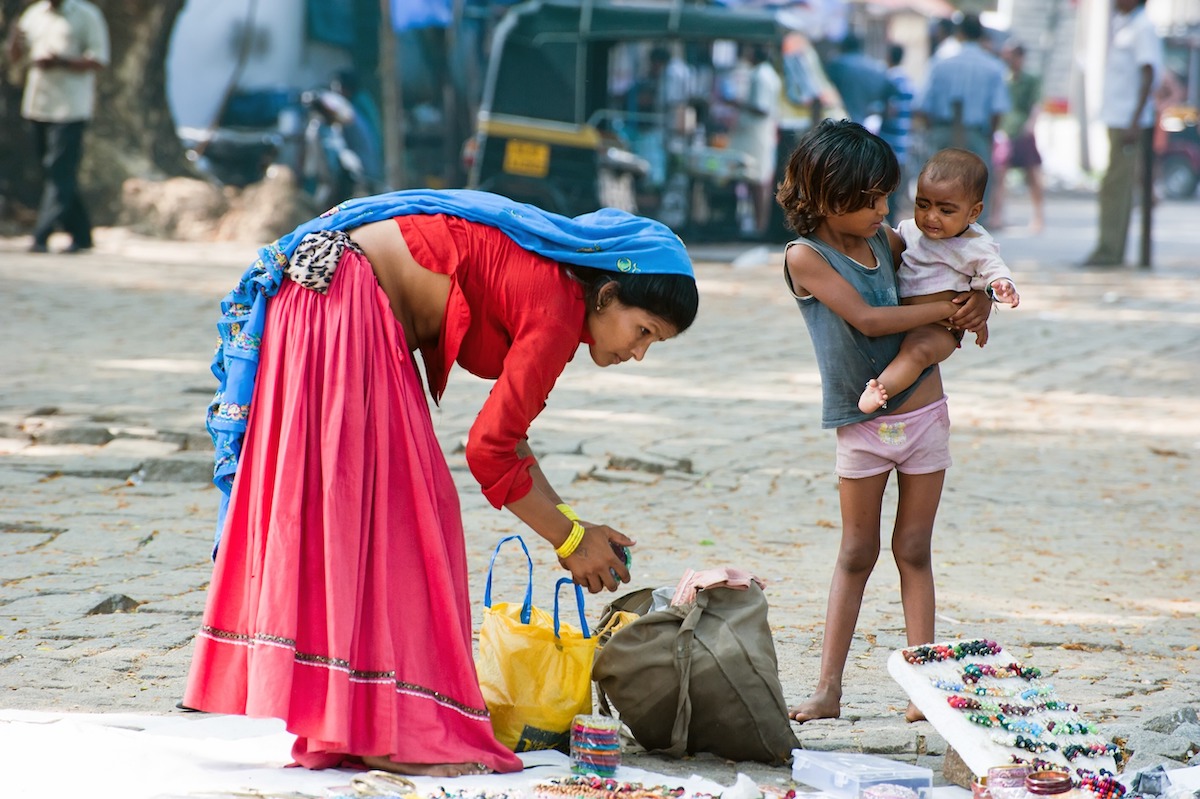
x=922 y=347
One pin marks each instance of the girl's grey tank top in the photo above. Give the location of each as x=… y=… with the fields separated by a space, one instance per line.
x=846 y=358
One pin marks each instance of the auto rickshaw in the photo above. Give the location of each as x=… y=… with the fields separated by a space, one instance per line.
x=563 y=123
x=1177 y=134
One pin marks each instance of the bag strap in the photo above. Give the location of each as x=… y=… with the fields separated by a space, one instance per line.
x=527 y=605
x=578 y=601
x=683 y=667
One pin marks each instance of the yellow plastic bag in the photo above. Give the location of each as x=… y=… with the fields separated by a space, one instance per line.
x=535 y=672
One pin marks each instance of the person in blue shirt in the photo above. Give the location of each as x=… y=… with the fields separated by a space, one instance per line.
x=896 y=127
x=862 y=81
x=964 y=97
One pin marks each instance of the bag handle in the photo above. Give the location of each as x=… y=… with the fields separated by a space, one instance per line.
x=683 y=667
x=527 y=605
x=578 y=601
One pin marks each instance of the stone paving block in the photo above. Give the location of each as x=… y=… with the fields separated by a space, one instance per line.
x=179 y=468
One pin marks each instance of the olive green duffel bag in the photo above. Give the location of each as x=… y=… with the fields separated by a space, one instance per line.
x=694 y=678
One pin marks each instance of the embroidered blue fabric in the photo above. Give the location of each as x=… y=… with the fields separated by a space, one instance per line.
x=607 y=239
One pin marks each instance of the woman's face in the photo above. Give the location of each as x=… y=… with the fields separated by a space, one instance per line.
x=620 y=332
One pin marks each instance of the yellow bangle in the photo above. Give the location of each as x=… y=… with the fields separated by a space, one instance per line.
x=567 y=511
x=572 y=542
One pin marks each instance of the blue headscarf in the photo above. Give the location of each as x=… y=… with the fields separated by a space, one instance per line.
x=608 y=239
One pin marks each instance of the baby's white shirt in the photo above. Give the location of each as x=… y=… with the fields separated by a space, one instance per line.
x=960 y=263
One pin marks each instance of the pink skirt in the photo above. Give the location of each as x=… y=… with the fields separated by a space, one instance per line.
x=339 y=599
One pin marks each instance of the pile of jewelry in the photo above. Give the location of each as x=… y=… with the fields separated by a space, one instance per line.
x=597 y=787
x=992 y=690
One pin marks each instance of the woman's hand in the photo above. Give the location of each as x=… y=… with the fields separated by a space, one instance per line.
x=974 y=309
x=594 y=563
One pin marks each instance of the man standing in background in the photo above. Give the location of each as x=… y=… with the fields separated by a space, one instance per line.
x=964 y=98
x=1134 y=64
x=862 y=81
x=66 y=42
x=757 y=131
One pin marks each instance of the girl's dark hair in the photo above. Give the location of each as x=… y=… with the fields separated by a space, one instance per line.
x=838 y=167
x=673 y=298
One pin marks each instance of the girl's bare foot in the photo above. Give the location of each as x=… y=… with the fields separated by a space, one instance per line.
x=424 y=769
x=913 y=714
x=873 y=398
x=821 y=705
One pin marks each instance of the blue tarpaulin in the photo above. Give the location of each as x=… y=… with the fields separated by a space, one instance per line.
x=412 y=14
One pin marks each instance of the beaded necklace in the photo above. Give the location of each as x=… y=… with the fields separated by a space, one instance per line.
x=933 y=653
x=469 y=793
x=969 y=703
x=978 y=690
x=1055 y=705
x=1070 y=727
x=1073 y=752
x=1104 y=785
x=1012 y=725
x=595 y=787
x=973 y=672
x=1025 y=742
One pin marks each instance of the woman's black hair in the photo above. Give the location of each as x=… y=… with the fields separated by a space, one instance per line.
x=838 y=167
x=671 y=297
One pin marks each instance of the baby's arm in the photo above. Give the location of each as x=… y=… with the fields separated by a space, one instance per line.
x=1004 y=290
x=991 y=273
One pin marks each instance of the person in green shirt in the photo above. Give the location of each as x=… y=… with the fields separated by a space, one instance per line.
x=1021 y=152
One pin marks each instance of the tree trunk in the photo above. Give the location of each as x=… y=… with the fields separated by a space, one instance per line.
x=132 y=133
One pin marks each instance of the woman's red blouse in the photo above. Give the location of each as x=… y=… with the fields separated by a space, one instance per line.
x=512 y=316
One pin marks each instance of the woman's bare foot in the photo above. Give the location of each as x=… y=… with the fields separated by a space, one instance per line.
x=424 y=769
x=821 y=705
x=873 y=398
x=913 y=714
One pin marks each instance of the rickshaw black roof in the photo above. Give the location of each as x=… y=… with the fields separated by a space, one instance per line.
x=539 y=59
x=621 y=19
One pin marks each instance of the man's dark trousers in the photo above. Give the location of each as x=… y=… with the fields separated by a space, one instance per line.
x=60 y=150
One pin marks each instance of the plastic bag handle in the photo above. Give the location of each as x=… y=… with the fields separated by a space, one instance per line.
x=578 y=601
x=527 y=605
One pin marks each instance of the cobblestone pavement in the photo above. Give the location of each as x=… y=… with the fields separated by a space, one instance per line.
x=1067 y=530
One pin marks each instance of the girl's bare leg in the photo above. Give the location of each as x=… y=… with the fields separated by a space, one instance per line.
x=922 y=347
x=912 y=544
x=861 y=502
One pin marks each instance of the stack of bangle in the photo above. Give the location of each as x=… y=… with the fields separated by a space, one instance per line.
x=572 y=542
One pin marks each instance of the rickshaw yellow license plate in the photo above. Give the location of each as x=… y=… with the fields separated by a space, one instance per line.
x=528 y=158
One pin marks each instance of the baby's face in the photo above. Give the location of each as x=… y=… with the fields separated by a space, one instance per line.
x=943 y=209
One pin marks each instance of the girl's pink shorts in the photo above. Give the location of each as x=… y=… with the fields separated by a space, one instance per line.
x=917 y=442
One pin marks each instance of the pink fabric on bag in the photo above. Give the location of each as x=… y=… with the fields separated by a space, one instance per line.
x=339 y=599
x=725 y=577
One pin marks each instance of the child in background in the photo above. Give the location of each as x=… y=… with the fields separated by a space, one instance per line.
x=946 y=252
x=842 y=272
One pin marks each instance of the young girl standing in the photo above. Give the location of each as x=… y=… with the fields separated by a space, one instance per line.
x=842 y=272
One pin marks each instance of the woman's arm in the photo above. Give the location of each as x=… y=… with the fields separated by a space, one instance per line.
x=593 y=562
x=812 y=274
x=499 y=456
